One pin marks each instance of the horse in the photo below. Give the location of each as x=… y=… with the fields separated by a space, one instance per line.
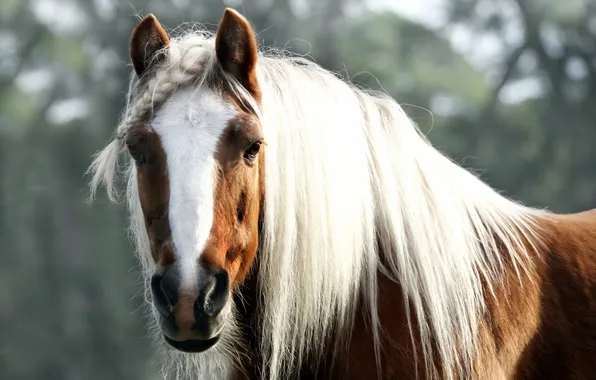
x=291 y=225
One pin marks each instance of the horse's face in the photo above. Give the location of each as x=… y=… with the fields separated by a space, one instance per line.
x=199 y=169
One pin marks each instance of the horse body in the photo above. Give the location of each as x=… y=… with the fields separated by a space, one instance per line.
x=293 y=226
x=562 y=341
x=543 y=329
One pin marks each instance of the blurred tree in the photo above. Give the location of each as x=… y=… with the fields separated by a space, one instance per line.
x=539 y=150
x=415 y=66
x=66 y=299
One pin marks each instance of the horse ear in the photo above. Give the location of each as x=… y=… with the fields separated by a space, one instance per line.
x=237 y=50
x=147 y=38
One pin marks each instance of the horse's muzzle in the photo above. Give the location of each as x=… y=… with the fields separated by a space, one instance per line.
x=191 y=319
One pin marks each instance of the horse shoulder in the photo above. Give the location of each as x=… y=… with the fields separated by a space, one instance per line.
x=570 y=254
x=564 y=345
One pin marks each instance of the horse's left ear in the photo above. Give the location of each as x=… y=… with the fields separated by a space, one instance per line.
x=237 y=50
x=147 y=38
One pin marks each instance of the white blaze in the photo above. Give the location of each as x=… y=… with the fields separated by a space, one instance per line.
x=190 y=125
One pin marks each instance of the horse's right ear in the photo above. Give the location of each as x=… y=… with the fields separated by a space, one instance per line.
x=147 y=38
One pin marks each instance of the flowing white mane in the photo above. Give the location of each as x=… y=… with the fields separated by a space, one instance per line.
x=347 y=175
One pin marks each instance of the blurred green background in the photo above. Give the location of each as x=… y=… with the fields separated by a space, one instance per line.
x=506 y=87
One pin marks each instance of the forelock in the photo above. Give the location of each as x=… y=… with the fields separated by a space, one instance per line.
x=189 y=60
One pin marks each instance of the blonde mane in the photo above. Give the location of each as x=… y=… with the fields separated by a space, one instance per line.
x=349 y=177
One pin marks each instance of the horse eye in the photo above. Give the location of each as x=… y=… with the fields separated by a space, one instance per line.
x=251 y=153
x=137 y=151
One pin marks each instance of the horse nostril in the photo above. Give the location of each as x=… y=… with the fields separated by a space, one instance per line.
x=214 y=288
x=218 y=297
x=164 y=288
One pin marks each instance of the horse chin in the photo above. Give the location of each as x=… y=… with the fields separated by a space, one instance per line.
x=192 y=345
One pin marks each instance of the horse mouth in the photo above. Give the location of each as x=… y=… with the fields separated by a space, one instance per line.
x=192 y=345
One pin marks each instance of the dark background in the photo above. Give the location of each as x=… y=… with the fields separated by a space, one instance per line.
x=511 y=85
